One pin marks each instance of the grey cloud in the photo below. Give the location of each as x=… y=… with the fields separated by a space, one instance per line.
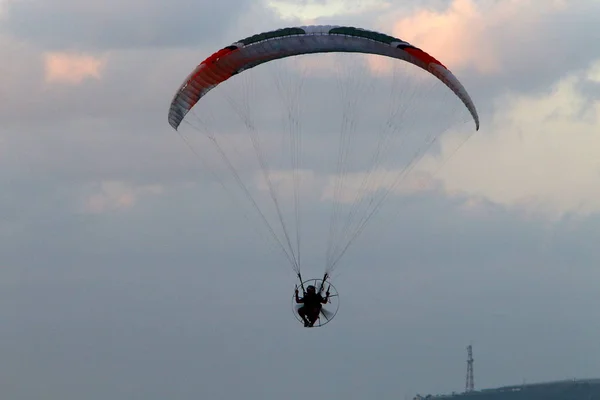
x=116 y=128
x=154 y=75
x=155 y=303
x=69 y=24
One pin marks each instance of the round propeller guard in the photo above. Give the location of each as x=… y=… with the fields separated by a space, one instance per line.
x=329 y=309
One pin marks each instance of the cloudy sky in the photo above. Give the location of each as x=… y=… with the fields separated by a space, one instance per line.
x=127 y=272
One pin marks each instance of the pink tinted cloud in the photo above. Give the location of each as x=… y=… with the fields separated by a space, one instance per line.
x=116 y=195
x=379 y=65
x=72 y=68
x=454 y=36
x=471 y=33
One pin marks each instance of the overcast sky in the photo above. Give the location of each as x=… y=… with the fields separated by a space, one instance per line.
x=127 y=272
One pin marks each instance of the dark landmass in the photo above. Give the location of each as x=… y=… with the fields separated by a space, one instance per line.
x=588 y=389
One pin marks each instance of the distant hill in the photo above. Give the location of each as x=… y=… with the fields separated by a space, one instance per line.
x=588 y=389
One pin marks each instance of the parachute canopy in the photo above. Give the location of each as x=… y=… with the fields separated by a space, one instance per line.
x=303 y=130
x=264 y=47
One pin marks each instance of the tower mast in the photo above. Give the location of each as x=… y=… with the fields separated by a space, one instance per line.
x=470 y=384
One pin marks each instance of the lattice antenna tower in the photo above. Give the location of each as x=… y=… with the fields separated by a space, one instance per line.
x=470 y=385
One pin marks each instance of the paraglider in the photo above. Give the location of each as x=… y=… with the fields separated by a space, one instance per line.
x=372 y=183
x=314 y=308
x=312 y=304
